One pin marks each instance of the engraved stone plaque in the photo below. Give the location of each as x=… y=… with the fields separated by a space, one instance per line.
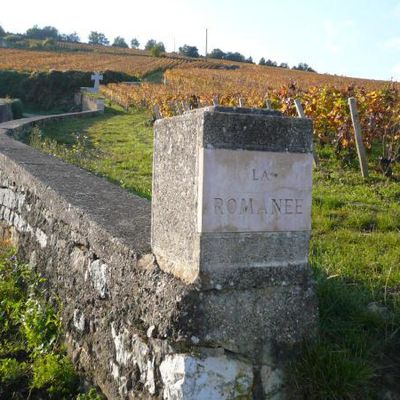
x=232 y=192
x=254 y=191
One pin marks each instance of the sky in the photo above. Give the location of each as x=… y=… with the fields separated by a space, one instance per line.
x=353 y=37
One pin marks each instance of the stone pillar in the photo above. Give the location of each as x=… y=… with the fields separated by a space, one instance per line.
x=231 y=215
x=6 y=113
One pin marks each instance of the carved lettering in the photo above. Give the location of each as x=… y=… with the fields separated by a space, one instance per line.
x=276 y=207
x=254 y=191
x=254 y=175
x=288 y=206
x=246 y=207
x=298 y=206
x=231 y=206
x=218 y=203
x=263 y=176
x=251 y=206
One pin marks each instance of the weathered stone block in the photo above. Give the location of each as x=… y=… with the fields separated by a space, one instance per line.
x=231 y=191
x=231 y=213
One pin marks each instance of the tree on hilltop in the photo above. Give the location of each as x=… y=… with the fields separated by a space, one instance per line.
x=98 y=38
x=2 y=31
x=48 y=32
x=120 y=42
x=189 y=51
x=151 y=44
x=304 y=67
x=156 y=50
x=161 y=46
x=217 y=54
x=271 y=63
x=135 y=43
x=231 y=56
x=236 y=56
x=71 y=37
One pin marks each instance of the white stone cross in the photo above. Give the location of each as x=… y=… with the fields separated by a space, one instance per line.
x=96 y=77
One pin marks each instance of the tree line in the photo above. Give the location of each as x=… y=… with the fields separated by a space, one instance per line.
x=300 y=67
x=156 y=48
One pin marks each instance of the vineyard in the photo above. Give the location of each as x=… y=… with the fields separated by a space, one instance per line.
x=120 y=60
x=324 y=98
x=135 y=65
x=89 y=58
x=192 y=83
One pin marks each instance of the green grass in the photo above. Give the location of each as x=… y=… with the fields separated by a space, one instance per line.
x=33 y=360
x=116 y=145
x=354 y=253
x=156 y=76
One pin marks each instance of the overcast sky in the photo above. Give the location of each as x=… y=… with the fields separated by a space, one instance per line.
x=344 y=37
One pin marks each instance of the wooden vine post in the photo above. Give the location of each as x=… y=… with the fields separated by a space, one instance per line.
x=300 y=113
x=157 y=112
x=358 y=136
x=268 y=104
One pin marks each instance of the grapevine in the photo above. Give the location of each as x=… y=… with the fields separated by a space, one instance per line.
x=326 y=105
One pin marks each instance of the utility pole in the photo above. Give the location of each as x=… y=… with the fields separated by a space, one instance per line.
x=206 y=43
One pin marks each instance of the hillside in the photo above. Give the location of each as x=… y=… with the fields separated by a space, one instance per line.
x=88 y=58
x=84 y=57
x=191 y=83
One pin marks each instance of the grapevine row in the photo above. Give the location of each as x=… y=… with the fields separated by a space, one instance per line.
x=379 y=105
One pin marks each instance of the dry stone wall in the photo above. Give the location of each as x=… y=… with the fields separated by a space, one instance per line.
x=138 y=330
